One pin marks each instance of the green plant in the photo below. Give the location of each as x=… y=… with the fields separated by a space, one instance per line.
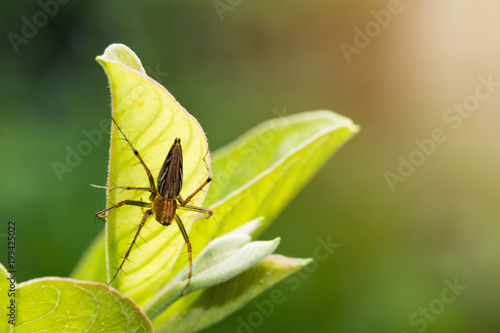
x=254 y=178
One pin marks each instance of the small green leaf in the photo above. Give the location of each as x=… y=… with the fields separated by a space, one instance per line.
x=66 y=305
x=208 y=306
x=223 y=259
x=151 y=119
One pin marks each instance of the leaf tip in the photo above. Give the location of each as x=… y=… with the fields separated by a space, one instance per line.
x=122 y=54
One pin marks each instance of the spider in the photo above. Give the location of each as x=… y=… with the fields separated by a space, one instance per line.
x=164 y=200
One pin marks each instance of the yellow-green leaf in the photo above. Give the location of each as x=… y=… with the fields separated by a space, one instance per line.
x=65 y=305
x=151 y=119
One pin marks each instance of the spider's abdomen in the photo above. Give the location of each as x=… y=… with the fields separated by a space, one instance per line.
x=170 y=176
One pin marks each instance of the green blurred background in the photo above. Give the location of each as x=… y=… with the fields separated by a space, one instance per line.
x=230 y=70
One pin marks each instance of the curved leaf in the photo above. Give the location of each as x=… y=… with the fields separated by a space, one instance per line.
x=151 y=119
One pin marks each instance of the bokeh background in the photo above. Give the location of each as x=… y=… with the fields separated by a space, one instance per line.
x=230 y=67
